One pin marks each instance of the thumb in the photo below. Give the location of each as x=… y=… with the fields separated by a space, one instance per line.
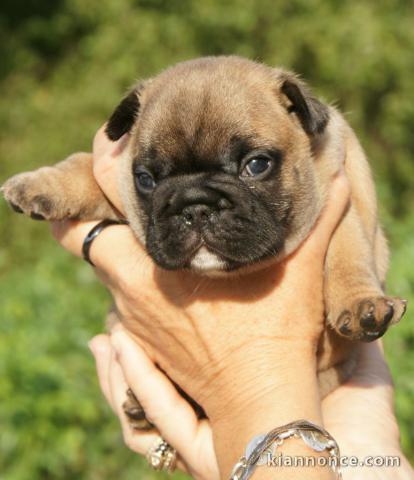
x=106 y=164
x=336 y=205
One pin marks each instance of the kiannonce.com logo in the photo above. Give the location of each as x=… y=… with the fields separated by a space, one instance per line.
x=271 y=460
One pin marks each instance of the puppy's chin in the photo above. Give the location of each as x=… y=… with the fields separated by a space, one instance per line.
x=208 y=263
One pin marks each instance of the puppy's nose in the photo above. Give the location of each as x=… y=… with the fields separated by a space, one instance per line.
x=196 y=214
x=196 y=205
x=197 y=196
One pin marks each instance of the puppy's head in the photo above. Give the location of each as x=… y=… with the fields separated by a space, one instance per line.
x=219 y=170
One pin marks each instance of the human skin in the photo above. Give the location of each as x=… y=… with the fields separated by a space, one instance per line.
x=243 y=348
x=359 y=414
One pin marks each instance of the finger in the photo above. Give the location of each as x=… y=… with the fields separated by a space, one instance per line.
x=162 y=403
x=101 y=349
x=372 y=367
x=113 y=385
x=114 y=251
x=335 y=206
x=138 y=441
x=106 y=164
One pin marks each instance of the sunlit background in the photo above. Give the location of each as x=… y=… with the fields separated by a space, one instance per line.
x=64 y=64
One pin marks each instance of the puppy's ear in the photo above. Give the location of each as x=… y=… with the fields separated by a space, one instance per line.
x=124 y=116
x=312 y=113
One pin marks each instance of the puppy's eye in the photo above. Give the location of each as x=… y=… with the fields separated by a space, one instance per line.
x=144 y=180
x=256 y=166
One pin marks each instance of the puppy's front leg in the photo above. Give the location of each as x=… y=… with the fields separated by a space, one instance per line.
x=356 y=305
x=65 y=190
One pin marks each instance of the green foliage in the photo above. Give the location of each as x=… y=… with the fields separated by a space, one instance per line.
x=65 y=64
x=54 y=422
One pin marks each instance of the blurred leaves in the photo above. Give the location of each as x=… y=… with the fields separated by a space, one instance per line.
x=54 y=423
x=65 y=64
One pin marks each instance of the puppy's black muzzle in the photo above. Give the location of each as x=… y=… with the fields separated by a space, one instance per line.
x=198 y=205
x=196 y=201
x=216 y=210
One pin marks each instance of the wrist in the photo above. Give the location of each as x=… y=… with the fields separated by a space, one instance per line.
x=257 y=376
x=277 y=394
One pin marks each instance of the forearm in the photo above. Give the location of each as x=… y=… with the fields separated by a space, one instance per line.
x=293 y=395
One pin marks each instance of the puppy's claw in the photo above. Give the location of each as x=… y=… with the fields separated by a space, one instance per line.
x=16 y=208
x=369 y=318
x=135 y=413
x=37 y=216
x=28 y=193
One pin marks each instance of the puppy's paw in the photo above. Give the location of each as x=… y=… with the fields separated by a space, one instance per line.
x=135 y=413
x=369 y=318
x=36 y=194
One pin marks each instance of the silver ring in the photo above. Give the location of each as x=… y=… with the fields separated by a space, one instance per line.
x=162 y=457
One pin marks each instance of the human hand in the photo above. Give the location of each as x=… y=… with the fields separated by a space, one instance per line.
x=173 y=416
x=238 y=346
x=359 y=414
x=178 y=316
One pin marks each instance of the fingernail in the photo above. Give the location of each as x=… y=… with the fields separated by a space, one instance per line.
x=97 y=344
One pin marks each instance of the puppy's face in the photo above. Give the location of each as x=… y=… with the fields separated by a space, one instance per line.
x=219 y=170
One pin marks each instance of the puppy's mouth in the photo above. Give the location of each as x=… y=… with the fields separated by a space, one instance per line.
x=205 y=254
x=209 y=259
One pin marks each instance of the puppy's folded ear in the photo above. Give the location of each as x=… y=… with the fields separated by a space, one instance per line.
x=312 y=113
x=125 y=114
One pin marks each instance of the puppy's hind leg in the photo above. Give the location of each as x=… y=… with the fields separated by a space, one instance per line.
x=356 y=304
x=357 y=260
x=65 y=190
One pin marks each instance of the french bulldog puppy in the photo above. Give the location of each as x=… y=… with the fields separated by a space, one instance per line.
x=227 y=167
